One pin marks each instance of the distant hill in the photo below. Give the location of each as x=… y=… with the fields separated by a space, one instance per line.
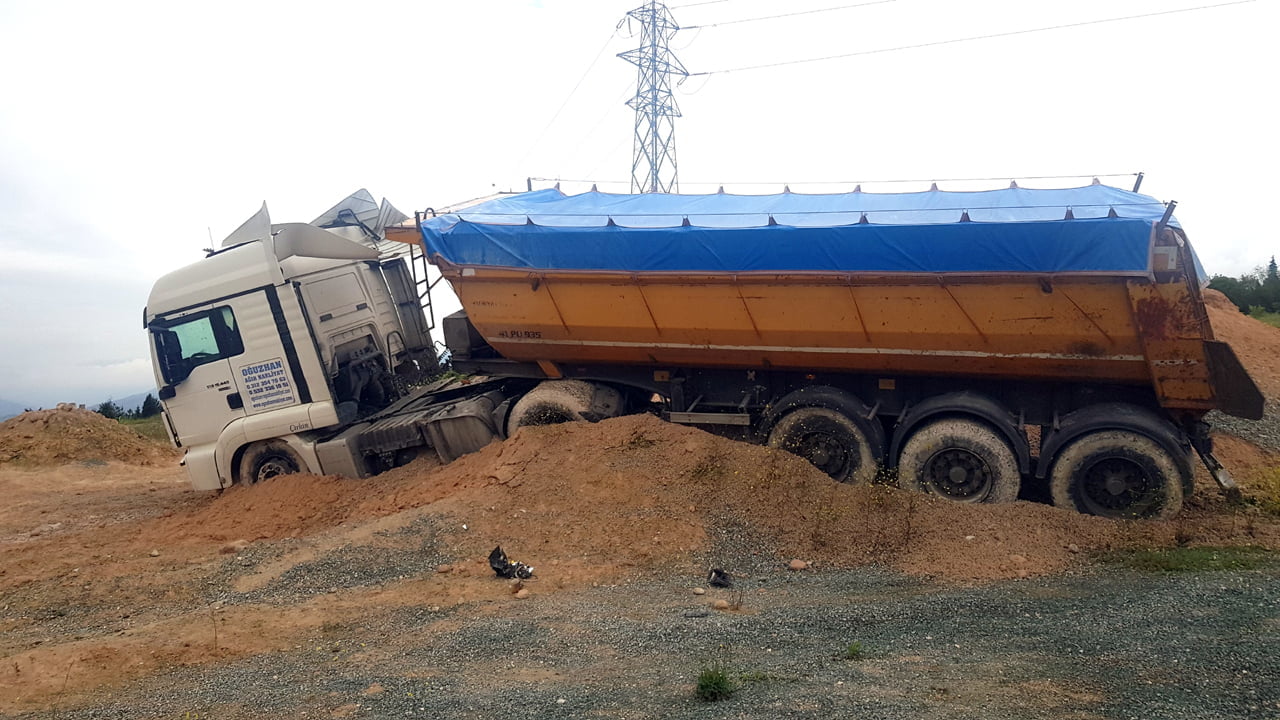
x=8 y=409
x=131 y=402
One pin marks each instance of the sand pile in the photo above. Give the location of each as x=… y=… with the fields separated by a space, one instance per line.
x=1256 y=343
x=67 y=434
x=636 y=493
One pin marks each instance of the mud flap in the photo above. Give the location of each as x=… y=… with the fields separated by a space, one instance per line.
x=1236 y=392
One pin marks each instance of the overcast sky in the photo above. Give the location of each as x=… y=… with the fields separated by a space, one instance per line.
x=131 y=132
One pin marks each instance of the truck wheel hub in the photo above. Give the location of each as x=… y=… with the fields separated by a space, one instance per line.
x=958 y=474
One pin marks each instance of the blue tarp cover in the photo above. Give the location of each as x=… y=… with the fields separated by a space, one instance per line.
x=1007 y=230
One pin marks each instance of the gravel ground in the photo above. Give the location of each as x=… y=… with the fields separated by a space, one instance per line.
x=1264 y=433
x=1104 y=643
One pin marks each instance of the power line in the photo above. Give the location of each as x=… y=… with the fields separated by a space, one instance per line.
x=967 y=39
x=569 y=97
x=785 y=15
x=705 y=2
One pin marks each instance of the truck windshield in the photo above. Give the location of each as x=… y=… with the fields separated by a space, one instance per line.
x=182 y=344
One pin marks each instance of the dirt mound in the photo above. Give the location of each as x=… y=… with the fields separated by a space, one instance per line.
x=288 y=506
x=67 y=434
x=1256 y=343
x=639 y=493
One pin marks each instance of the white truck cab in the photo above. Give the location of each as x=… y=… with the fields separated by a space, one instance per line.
x=287 y=330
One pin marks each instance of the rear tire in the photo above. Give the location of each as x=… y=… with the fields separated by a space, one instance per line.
x=961 y=460
x=1117 y=474
x=266 y=460
x=559 y=401
x=829 y=440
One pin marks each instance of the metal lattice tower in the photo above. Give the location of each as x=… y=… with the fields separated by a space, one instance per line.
x=653 y=164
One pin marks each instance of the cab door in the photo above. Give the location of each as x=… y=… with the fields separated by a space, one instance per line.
x=193 y=351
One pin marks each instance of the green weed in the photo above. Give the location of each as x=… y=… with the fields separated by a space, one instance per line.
x=1193 y=559
x=715 y=683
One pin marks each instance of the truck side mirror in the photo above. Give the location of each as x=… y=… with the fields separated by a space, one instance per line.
x=167 y=392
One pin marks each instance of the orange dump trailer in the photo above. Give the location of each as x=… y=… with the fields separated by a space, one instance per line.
x=922 y=332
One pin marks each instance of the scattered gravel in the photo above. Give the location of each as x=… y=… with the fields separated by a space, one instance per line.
x=1263 y=433
x=1105 y=643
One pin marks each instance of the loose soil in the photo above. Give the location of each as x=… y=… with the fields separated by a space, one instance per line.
x=1257 y=344
x=48 y=438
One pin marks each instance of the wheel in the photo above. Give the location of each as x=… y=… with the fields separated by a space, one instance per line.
x=1117 y=474
x=829 y=440
x=961 y=460
x=265 y=460
x=559 y=401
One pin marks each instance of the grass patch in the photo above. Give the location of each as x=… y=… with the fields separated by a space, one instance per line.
x=1194 y=559
x=853 y=651
x=1270 y=318
x=715 y=683
x=151 y=428
x=1266 y=490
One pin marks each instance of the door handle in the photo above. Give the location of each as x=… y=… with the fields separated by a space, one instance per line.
x=234 y=402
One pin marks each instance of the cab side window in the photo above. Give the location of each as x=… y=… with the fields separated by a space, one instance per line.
x=182 y=344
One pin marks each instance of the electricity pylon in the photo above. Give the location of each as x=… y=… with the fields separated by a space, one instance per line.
x=653 y=164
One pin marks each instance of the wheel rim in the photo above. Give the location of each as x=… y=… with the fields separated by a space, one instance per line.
x=274 y=467
x=1116 y=486
x=958 y=474
x=549 y=415
x=824 y=451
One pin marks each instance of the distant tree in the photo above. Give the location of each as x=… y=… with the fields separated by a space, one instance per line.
x=109 y=409
x=1269 y=297
x=150 y=406
x=1233 y=288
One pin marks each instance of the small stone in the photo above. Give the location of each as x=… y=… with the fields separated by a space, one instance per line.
x=434 y=609
x=155 y=553
x=720 y=605
x=333 y=590
x=798 y=564
x=1073 y=548
x=968 y=537
x=443 y=568
x=561 y=701
x=1018 y=559
x=233 y=547
x=523 y=594
x=699 y=591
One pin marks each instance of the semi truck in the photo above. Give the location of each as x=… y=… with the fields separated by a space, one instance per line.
x=969 y=343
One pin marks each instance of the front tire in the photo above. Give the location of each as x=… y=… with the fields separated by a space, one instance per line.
x=961 y=460
x=560 y=401
x=266 y=460
x=1117 y=474
x=829 y=440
